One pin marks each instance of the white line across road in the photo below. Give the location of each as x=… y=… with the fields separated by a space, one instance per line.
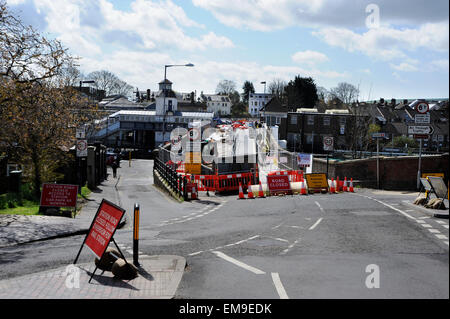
x=238 y=263
x=320 y=207
x=316 y=223
x=279 y=286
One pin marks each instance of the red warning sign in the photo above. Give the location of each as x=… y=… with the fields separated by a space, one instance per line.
x=103 y=227
x=59 y=195
x=279 y=184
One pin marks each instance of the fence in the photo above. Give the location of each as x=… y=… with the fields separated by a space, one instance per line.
x=168 y=172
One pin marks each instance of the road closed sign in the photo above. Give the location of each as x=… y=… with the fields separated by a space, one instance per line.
x=103 y=227
x=328 y=143
x=279 y=184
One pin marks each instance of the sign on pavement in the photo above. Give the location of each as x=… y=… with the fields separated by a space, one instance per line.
x=103 y=227
x=279 y=184
x=59 y=195
x=316 y=181
x=80 y=133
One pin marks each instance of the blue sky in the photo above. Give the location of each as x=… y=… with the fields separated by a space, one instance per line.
x=390 y=49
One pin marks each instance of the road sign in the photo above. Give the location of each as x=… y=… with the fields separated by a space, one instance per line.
x=194 y=134
x=59 y=195
x=82 y=148
x=422 y=118
x=421 y=137
x=379 y=135
x=316 y=181
x=80 y=133
x=420 y=129
x=279 y=184
x=103 y=227
x=328 y=143
x=422 y=107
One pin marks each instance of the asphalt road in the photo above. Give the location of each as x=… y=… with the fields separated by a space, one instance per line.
x=316 y=246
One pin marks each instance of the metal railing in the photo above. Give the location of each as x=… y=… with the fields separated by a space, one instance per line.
x=175 y=181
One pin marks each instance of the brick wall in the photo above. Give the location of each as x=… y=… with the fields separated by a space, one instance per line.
x=396 y=173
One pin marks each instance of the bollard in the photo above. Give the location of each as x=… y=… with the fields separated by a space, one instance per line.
x=136 y=235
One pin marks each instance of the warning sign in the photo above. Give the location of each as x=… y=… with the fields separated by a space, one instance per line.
x=193 y=163
x=103 y=227
x=59 y=195
x=317 y=181
x=279 y=184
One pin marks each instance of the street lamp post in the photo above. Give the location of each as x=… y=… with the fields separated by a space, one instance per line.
x=78 y=159
x=264 y=104
x=165 y=93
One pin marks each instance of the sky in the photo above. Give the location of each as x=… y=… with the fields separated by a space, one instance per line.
x=388 y=48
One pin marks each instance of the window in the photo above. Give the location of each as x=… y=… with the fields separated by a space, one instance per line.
x=310 y=120
x=342 y=120
x=277 y=120
x=326 y=120
x=294 y=120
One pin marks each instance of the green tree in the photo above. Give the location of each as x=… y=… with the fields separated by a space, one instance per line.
x=247 y=88
x=301 y=92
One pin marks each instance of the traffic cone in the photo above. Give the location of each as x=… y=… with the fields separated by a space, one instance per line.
x=303 y=188
x=345 y=185
x=250 y=192
x=351 y=186
x=332 y=188
x=260 y=192
x=241 y=193
x=337 y=185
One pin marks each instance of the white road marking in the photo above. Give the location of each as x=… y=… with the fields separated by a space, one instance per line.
x=426 y=225
x=440 y=222
x=196 y=253
x=440 y=236
x=281 y=239
x=279 y=286
x=446 y=242
x=421 y=221
x=290 y=247
x=424 y=217
x=387 y=205
x=243 y=241
x=445 y=226
x=239 y=263
x=434 y=231
x=277 y=226
x=316 y=223
x=320 y=207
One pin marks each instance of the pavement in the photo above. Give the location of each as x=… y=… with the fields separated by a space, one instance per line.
x=158 y=275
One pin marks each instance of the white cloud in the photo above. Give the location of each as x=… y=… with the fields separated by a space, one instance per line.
x=404 y=67
x=387 y=43
x=441 y=65
x=309 y=57
x=267 y=15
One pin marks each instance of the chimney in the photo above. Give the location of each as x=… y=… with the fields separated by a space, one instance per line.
x=393 y=102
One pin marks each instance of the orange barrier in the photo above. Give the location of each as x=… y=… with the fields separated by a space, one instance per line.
x=332 y=187
x=261 y=192
x=294 y=176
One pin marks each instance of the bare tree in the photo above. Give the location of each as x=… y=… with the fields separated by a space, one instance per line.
x=345 y=92
x=226 y=87
x=278 y=88
x=110 y=83
x=323 y=94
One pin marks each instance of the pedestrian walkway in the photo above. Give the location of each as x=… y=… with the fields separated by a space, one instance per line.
x=158 y=278
x=20 y=229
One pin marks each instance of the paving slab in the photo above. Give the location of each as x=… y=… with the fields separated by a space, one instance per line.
x=158 y=278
